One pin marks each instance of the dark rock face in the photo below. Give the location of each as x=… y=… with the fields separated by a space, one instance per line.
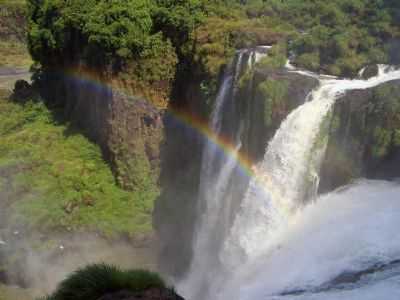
x=364 y=138
x=175 y=210
x=370 y=71
x=150 y=294
x=394 y=51
x=22 y=91
x=128 y=129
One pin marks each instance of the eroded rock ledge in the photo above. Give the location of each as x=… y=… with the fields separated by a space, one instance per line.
x=364 y=137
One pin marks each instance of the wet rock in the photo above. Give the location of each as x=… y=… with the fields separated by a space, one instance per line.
x=364 y=137
x=394 y=51
x=370 y=71
x=23 y=91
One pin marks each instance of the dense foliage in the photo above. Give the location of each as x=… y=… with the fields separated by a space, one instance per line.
x=336 y=37
x=154 y=41
x=14 y=293
x=108 y=36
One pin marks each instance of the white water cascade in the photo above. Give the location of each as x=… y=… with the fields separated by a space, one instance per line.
x=275 y=248
x=216 y=173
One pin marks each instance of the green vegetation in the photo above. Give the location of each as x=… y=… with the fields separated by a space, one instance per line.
x=369 y=135
x=339 y=36
x=14 y=293
x=95 y=281
x=106 y=30
x=363 y=136
x=329 y=124
x=275 y=59
x=108 y=36
x=384 y=120
x=14 y=54
x=160 y=44
x=57 y=179
x=13 y=49
x=16 y=3
x=163 y=44
x=274 y=92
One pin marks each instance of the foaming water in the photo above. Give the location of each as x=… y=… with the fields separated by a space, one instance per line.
x=269 y=206
x=348 y=230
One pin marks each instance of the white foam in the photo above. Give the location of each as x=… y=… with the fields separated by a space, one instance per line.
x=348 y=230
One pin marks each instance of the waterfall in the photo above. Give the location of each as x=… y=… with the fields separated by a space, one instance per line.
x=285 y=165
x=270 y=203
x=274 y=198
x=217 y=172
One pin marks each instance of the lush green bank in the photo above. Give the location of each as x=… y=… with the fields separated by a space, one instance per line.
x=53 y=178
x=13 y=26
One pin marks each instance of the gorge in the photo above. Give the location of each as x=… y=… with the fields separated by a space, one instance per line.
x=200 y=140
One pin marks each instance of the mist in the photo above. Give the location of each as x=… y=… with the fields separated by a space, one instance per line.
x=38 y=261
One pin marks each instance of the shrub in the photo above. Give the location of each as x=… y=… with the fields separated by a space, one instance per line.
x=95 y=281
x=381 y=142
x=275 y=59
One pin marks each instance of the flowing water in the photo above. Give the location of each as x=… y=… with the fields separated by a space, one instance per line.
x=217 y=173
x=272 y=245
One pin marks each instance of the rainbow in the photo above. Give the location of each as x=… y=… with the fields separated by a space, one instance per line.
x=223 y=143
x=192 y=121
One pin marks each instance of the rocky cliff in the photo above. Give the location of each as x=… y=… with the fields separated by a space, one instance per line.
x=364 y=137
x=128 y=129
x=181 y=152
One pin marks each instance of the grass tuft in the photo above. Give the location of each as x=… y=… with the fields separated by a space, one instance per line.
x=95 y=281
x=14 y=54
